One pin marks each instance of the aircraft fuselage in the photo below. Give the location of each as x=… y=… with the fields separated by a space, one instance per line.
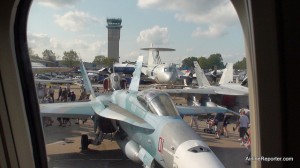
x=162 y=73
x=171 y=142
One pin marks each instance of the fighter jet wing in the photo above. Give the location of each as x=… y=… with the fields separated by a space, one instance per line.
x=208 y=90
x=190 y=91
x=86 y=109
x=68 y=110
x=198 y=110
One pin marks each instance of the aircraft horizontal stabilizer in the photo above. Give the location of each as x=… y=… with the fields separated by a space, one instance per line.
x=198 y=110
x=68 y=110
x=117 y=113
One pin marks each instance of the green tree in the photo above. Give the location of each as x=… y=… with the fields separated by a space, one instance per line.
x=215 y=60
x=49 y=55
x=240 y=64
x=107 y=62
x=202 y=61
x=70 y=59
x=32 y=55
x=98 y=60
x=189 y=62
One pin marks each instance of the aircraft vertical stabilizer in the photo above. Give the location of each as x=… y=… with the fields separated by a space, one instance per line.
x=86 y=80
x=227 y=76
x=135 y=81
x=201 y=78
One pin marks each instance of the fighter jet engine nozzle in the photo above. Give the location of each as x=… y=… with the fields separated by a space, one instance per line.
x=130 y=148
x=194 y=154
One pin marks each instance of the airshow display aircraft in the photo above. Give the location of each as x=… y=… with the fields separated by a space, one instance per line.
x=146 y=124
x=155 y=69
x=225 y=87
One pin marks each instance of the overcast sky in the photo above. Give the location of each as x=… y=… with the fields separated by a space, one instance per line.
x=192 y=27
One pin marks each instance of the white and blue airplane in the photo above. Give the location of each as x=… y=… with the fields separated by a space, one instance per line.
x=158 y=71
x=146 y=124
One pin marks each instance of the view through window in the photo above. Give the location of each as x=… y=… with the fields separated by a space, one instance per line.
x=108 y=36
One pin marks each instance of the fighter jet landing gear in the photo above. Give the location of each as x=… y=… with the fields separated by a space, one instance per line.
x=85 y=141
x=98 y=139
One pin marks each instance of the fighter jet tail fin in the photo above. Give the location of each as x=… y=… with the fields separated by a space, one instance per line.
x=135 y=81
x=201 y=78
x=86 y=81
x=227 y=76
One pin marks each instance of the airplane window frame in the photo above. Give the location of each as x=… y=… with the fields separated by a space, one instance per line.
x=27 y=83
x=21 y=46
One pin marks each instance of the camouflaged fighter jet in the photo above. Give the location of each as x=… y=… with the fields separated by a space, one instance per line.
x=225 y=87
x=146 y=124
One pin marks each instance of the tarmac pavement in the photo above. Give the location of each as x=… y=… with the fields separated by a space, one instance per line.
x=63 y=148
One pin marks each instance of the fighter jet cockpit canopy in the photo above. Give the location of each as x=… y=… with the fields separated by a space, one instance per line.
x=157 y=102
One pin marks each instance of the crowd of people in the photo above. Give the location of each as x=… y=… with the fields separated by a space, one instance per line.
x=218 y=126
x=64 y=95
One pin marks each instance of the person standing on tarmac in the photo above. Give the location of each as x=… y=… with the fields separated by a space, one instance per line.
x=219 y=118
x=243 y=124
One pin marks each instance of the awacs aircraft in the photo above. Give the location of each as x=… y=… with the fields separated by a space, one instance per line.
x=155 y=69
x=225 y=87
x=146 y=124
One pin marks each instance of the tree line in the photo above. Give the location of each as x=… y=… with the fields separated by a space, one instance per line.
x=71 y=59
x=212 y=62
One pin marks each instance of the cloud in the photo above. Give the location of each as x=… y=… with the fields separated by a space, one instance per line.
x=217 y=14
x=39 y=40
x=58 y=3
x=75 y=20
x=97 y=47
x=87 y=49
x=212 y=31
x=131 y=56
x=156 y=35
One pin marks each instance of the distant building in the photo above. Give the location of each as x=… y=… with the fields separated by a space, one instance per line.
x=113 y=26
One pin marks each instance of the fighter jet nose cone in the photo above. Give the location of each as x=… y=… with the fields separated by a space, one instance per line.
x=194 y=154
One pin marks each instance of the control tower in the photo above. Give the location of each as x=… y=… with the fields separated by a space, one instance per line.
x=113 y=26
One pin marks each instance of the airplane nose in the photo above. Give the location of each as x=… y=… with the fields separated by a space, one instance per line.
x=195 y=154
